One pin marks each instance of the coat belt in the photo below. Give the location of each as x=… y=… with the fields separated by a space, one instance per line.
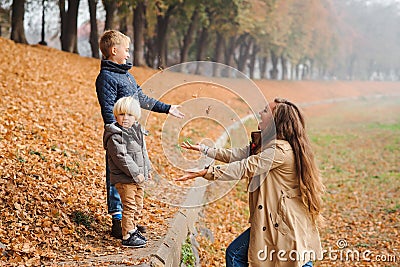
x=291 y=193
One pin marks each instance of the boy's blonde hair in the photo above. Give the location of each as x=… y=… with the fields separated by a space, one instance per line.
x=127 y=105
x=111 y=38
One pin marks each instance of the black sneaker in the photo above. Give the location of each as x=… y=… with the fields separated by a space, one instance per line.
x=134 y=241
x=140 y=235
x=116 y=229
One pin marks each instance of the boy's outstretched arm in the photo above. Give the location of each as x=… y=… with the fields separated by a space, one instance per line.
x=155 y=105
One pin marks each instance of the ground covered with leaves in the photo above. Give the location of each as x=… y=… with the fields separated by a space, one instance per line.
x=52 y=183
x=52 y=163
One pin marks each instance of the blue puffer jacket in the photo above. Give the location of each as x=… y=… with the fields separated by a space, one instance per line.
x=113 y=82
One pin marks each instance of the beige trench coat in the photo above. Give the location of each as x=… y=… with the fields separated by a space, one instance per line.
x=281 y=227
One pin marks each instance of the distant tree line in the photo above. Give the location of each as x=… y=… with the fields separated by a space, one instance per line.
x=275 y=39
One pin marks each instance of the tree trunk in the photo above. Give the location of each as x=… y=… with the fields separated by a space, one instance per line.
x=253 y=58
x=123 y=12
x=350 y=69
x=230 y=51
x=311 y=70
x=244 y=52
x=17 y=22
x=139 y=22
x=69 y=26
x=110 y=6
x=201 y=48
x=161 y=37
x=160 y=41
x=188 y=39
x=93 y=39
x=218 y=56
x=305 y=71
x=123 y=24
x=284 y=68
x=150 y=54
x=298 y=77
x=229 y=56
x=42 y=40
x=263 y=67
x=274 y=72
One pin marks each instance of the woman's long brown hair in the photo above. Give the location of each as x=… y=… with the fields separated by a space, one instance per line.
x=290 y=126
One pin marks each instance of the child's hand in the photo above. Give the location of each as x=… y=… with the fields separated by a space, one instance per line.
x=174 y=111
x=139 y=179
x=191 y=174
x=188 y=145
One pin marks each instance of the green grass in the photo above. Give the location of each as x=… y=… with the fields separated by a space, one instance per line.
x=83 y=218
x=41 y=156
x=358 y=154
x=324 y=139
x=187 y=256
x=385 y=126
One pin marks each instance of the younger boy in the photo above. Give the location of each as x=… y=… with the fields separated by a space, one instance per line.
x=129 y=166
x=113 y=82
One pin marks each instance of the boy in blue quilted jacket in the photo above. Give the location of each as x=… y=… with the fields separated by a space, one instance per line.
x=129 y=166
x=114 y=82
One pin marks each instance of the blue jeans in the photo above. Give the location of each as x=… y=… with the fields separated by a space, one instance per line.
x=114 y=203
x=236 y=253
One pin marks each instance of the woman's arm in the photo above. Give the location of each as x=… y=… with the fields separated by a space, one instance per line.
x=228 y=155
x=221 y=154
x=192 y=174
x=248 y=167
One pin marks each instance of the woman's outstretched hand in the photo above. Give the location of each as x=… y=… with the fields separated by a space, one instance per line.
x=190 y=146
x=192 y=174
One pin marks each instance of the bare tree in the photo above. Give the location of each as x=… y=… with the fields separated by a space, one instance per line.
x=218 y=54
x=93 y=40
x=201 y=48
x=188 y=38
x=244 y=51
x=110 y=6
x=263 y=66
x=273 y=73
x=253 y=56
x=139 y=20
x=17 y=21
x=163 y=18
x=69 y=25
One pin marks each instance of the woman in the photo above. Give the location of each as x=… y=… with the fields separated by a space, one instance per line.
x=284 y=190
